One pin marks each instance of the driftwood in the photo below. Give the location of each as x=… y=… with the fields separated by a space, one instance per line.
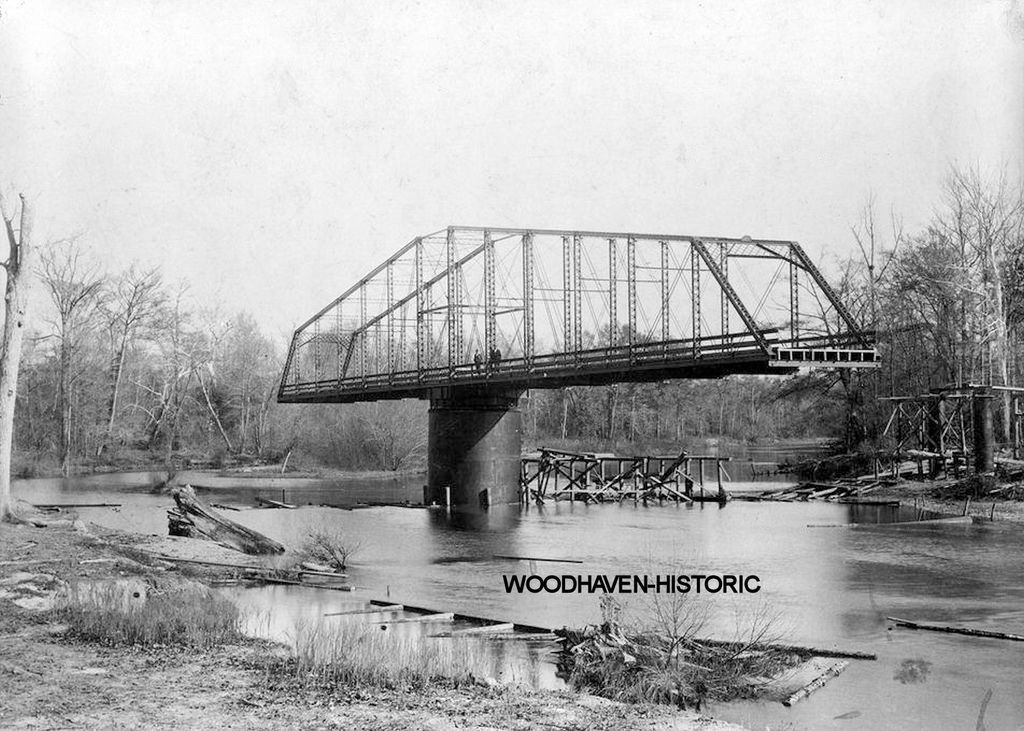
x=818 y=682
x=194 y=519
x=954 y=630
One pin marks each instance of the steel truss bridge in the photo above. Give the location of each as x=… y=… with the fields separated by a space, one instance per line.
x=500 y=308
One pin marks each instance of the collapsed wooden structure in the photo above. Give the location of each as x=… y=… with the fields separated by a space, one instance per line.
x=557 y=474
x=843 y=490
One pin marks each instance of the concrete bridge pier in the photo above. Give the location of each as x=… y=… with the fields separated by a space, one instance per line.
x=474 y=442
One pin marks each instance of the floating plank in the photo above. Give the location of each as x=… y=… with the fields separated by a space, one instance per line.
x=440 y=617
x=955 y=630
x=501 y=627
x=332 y=587
x=531 y=558
x=58 y=506
x=818 y=682
x=275 y=503
x=370 y=610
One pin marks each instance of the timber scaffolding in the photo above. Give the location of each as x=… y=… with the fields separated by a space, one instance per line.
x=950 y=428
x=562 y=475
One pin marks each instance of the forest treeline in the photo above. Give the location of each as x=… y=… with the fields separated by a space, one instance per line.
x=124 y=368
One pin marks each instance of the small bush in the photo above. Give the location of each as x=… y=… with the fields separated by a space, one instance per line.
x=329 y=547
x=182 y=613
x=661 y=660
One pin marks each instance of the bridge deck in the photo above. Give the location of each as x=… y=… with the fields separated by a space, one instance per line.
x=650 y=362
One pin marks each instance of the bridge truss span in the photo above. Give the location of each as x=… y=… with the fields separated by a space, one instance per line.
x=499 y=308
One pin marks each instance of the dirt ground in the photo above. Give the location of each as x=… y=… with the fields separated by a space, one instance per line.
x=52 y=680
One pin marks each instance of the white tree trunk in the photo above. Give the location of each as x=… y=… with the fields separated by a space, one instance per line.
x=15 y=312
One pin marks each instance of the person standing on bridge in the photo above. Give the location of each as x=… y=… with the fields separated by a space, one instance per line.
x=478 y=362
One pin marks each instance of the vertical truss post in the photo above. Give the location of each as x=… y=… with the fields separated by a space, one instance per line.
x=695 y=293
x=362 y=333
x=490 y=294
x=723 y=264
x=577 y=309
x=528 y=297
x=338 y=347
x=566 y=295
x=631 y=293
x=421 y=313
x=317 y=345
x=613 y=285
x=452 y=290
x=794 y=299
x=389 y=283
x=664 y=296
x=378 y=346
x=460 y=345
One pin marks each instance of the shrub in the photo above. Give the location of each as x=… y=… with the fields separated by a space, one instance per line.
x=329 y=547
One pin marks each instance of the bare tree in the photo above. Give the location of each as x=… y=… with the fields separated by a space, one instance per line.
x=136 y=301
x=17 y=268
x=983 y=219
x=75 y=285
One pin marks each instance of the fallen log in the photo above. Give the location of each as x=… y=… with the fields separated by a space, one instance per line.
x=800 y=649
x=818 y=682
x=955 y=630
x=194 y=519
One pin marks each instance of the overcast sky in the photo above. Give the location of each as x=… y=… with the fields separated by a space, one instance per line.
x=272 y=153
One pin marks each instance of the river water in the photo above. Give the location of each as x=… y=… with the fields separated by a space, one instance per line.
x=826 y=586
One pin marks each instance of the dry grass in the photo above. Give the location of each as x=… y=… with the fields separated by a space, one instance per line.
x=357 y=654
x=178 y=613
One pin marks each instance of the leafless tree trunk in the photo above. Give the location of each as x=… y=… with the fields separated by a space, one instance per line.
x=18 y=268
x=75 y=289
x=213 y=411
x=136 y=302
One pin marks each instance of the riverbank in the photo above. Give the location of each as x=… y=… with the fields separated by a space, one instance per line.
x=55 y=680
x=923 y=494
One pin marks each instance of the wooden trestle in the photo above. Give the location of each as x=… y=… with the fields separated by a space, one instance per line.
x=561 y=475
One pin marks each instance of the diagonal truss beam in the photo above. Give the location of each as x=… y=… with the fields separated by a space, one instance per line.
x=833 y=298
x=730 y=294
